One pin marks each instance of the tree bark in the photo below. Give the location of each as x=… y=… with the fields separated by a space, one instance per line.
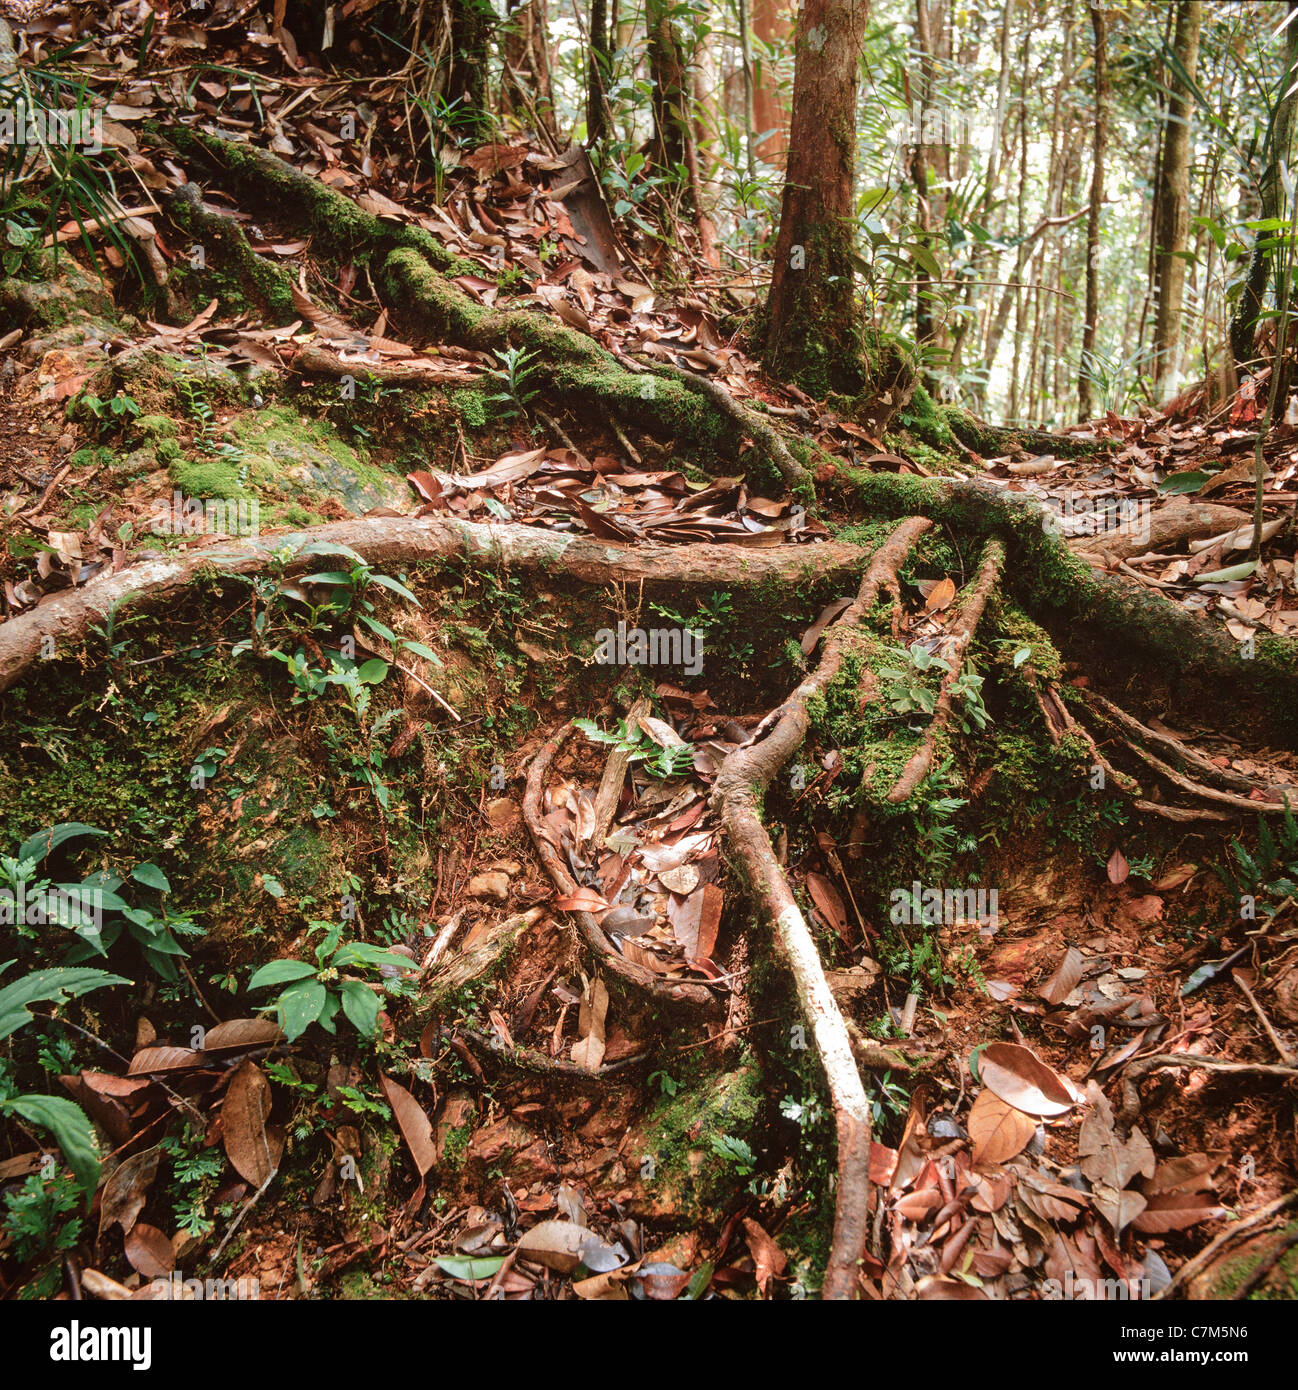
x=597 y=72
x=1174 y=202
x=771 y=24
x=1244 y=323
x=1099 y=27
x=812 y=330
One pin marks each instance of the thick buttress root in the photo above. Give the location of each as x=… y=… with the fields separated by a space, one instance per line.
x=742 y=778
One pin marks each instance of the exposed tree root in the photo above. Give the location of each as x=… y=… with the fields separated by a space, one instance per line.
x=742 y=778
x=672 y=991
x=1232 y=1235
x=66 y=617
x=1135 y=1072
x=961 y=632
x=1221 y=779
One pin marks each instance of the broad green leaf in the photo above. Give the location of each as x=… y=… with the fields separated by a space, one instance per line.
x=151 y=876
x=373 y=672
x=41 y=844
x=299 y=1007
x=396 y=586
x=361 y=1005
x=420 y=649
x=1183 y=482
x=54 y=984
x=1230 y=573
x=280 y=972
x=70 y=1127
x=467 y=1267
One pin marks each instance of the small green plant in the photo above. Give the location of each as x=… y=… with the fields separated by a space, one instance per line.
x=666 y=1085
x=117 y=410
x=195 y=1172
x=517 y=382
x=907 y=692
x=656 y=760
x=735 y=1151
x=1267 y=877
x=317 y=989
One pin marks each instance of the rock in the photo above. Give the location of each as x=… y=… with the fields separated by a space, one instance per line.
x=490 y=885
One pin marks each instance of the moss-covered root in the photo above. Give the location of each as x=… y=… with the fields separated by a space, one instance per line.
x=990 y=441
x=962 y=633
x=1090 y=614
x=415 y=271
x=742 y=778
x=221 y=264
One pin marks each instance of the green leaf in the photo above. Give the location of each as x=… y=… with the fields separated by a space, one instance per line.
x=328 y=577
x=53 y=984
x=420 y=649
x=279 y=972
x=1230 y=573
x=382 y=629
x=332 y=548
x=272 y=885
x=361 y=1005
x=387 y=581
x=45 y=841
x=1183 y=482
x=70 y=1127
x=151 y=876
x=299 y=1007
x=373 y=672
x=465 y=1267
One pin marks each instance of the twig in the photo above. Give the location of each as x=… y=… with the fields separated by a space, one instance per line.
x=1286 y=1056
x=238 y=1220
x=1227 y=1237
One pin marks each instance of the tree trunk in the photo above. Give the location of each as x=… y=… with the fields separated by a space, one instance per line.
x=597 y=67
x=1174 y=202
x=1244 y=323
x=771 y=23
x=466 y=80
x=1085 y=403
x=813 y=334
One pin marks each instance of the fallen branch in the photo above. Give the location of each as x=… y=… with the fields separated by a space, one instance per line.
x=742 y=778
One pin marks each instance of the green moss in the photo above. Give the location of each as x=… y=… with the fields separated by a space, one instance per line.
x=209 y=478
x=472 y=405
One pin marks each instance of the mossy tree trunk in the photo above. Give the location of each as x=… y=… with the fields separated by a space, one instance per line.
x=812 y=329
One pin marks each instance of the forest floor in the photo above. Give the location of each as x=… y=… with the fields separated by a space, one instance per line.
x=594 y=1076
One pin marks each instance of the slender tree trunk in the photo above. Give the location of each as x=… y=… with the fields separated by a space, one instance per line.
x=597 y=69
x=1244 y=322
x=472 y=22
x=1099 y=28
x=1174 y=202
x=812 y=329
x=771 y=23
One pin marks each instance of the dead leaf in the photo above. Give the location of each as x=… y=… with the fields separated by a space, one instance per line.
x=249 y=1147
x=1019 y=1077
x=1067 y=973
x=416 y=1129
x=127 y=1190
x=1118 y=868
x=997 y=1129
x=149 y=1251
x=588 y=1052
x=829 y=903
x=941 y=596
x=769 y=1261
